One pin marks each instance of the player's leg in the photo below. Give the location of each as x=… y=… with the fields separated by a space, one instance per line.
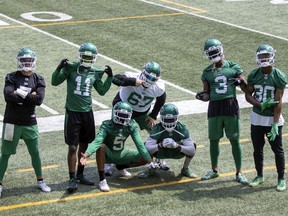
x=278 y=150
x=87 y=135
x=30 y=136
x=232 y=131
x=10 y=137
x=143 y=125
x=215 y=133
x=258 y=141
x=100 y=160
x=189 y=151
x=71 y=134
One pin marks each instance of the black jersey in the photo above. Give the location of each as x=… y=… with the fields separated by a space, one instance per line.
x=21 y=111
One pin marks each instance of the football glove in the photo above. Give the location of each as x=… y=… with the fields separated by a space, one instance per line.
x=169 y=143
x=21 y=93
x=152 y=165
x=203 y=96
x=108 y=71
x=274 y=132
x=267 y=103
x=62 y=64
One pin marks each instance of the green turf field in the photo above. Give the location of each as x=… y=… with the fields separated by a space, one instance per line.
x=129 y=33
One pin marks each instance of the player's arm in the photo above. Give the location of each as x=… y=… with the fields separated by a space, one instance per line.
x=123 y=80
x=136 y=137
x=60 y=74
x=160 y=101
x=278 y=106
x=101 y=87
x=249 y=96
x=36 y=97
x=10 y=94
x=152 y=145
x=205 y=94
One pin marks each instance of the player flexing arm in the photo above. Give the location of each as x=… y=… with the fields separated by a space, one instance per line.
x=81 y=78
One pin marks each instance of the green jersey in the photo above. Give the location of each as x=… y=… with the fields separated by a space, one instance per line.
x=265 y=86
x=79 y=85
x=114 y=138
x=220 y=81
x=179 y=133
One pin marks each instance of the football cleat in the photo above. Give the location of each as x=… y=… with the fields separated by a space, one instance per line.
x=103 y=186
x=83 y=180
x=147 y=173
x=124 y=173
x=162 y=164
x=43 y=187
x=257 y=181
x=241 y=179
x=72 y=185
x=281 y=185
x=188 y=173
x=1 y=189
x=209 y=175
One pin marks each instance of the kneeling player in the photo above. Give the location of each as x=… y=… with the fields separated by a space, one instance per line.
x=110 y=141
x=170 y=139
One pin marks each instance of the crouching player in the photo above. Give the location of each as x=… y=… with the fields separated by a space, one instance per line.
x=170 y=139
x=109 y=144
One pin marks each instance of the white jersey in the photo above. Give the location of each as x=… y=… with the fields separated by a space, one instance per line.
x=138 y=97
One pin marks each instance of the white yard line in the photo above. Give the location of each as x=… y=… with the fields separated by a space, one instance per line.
x=215 y=20
x=75 y=45
x=187 y=107
x=48 y=109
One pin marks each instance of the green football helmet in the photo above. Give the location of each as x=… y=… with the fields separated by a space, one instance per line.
x=87 y=54
x=213 y=50
x=26 y=59
x=122 y=113
x=169 y=116
x=265 y=55
x=150 y=74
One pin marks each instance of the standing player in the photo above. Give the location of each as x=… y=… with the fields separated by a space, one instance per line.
x=109 y=144
x=139 y=90
x=219 y=85
x=170 y=139
x=23 y=91
x=79 y=125
x=265 y=90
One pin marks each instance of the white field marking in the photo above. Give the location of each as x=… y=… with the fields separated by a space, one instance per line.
x=187 y=107
x=48 y=109
x=2 y=23
x=99 y=104
x=216 y=20
x=75 y=45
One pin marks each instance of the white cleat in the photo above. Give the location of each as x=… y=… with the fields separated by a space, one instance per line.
x=104 y=186
x=43 y=186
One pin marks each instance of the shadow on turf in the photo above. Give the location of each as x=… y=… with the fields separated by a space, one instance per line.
x=193 y=190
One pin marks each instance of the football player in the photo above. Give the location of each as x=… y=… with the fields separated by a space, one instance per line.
x=220 y=79
x=23 y=91
x=170 y=139
x=109 y=144
x=265 y=90
x=140 y=90
x=79 y=127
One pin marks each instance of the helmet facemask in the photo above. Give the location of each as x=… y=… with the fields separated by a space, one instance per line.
x=214 y=54
x=26 y=59
x=169 y=122
x=265 y=58
x=122 y=117
x=87 y=58
x=149 y=78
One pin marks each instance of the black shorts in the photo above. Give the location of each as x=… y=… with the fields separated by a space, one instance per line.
x=79 y=127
